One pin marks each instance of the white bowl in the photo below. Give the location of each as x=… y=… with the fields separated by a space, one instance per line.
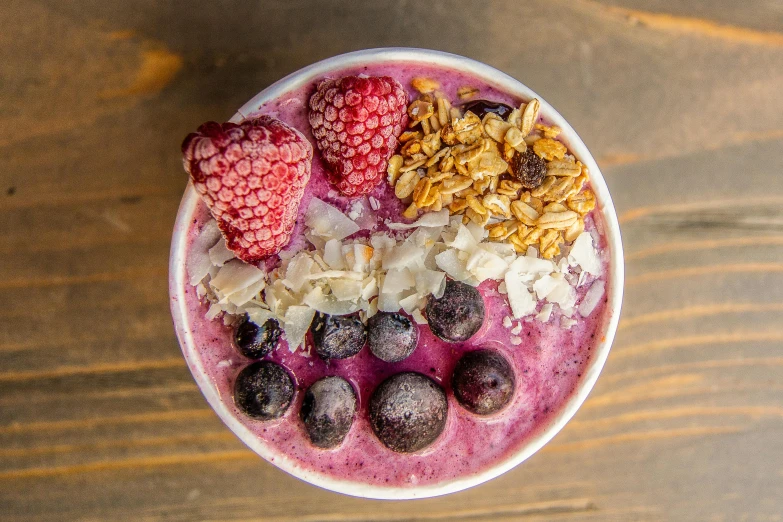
x=178 y=276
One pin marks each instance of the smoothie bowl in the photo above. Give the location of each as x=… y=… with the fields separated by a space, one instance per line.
x=396 y=273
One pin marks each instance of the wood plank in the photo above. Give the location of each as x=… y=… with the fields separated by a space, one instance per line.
x=679 y=101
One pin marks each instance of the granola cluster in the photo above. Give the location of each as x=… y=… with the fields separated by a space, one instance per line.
x=473 y=166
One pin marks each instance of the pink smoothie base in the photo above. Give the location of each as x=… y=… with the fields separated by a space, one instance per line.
x=555 y=368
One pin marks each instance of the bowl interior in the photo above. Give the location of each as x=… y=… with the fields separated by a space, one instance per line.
x=178 y=276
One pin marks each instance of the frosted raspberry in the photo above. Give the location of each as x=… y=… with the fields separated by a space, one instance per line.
x=252 y=177
x=356 y=122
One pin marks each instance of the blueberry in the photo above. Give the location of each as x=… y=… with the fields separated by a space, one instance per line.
x=263 y=390
x=254 y=341
x=408 y=411
x=327 y=411
x=337 y=336
x=458 y=314
x=482 y=107
x=391 y=337
x=528 y=168
x=483 y=381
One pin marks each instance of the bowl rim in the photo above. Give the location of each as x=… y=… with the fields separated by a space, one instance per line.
x=178 y=277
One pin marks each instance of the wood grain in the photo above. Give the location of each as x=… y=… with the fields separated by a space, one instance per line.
x=680 y=103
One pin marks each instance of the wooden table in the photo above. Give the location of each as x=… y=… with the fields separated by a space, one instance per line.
x=682 y=104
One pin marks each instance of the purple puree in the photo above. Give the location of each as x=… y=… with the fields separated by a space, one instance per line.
x=548 y=364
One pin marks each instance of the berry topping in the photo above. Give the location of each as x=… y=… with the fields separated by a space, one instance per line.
x=252 y=177
x=337 y=336
x=408 y=411
x=482 y=107
x=528 y=168
x=356 y=122
x=327 y=411
x=483 y=381
x=263 y=390
x=458 y=314
x=391 y=337
x=255 y=341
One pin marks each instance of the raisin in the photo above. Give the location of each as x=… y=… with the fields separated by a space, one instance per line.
x=528 y=168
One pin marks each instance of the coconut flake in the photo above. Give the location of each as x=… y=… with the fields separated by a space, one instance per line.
x=532 y=265
x=299 y=268
x=425 y=238
x=369 y=288
x=486 y=265
x=450 y=262
x=430 y=219
x=429 y=281
x=516 y=341
x=214 y=311
x=410 y=303
x=326 y=304
x=418 y=317
x=372 y=309
x=504 y=250
x=220 y=253
x=584 y=254
x=592 y=298
x=519 y=297
x=555 y=289
x=296 y=323
x=198 y=263
x=346 y=289
x=567 y=323
x=403 y=255
x=335 y=274
x=357 y=208
x=381 y=242
x=362 y=255
x=327 y=221
x=243 y=296
x=397 y=280
x=545 y=313
x=278 y=298
x=259 y=315
x=389 y=302
x=478 y=232
x=333 y=255
x=462 y=240
x=235 y=276
x=316 y=241
x=507 y=322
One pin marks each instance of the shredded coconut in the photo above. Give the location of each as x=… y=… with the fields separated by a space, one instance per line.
x=387 y=272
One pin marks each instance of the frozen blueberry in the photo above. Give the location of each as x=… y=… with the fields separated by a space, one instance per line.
x=327 y=411
x=408 y=411
x=528 y=168
x=255 y=341
x=483 y=381
x=482 y=107
x=263 y=390
x=458 y=314
x=391 y=337
x=337 y=336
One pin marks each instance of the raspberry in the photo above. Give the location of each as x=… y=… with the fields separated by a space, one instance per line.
x=356 y=122
x=252 y=177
